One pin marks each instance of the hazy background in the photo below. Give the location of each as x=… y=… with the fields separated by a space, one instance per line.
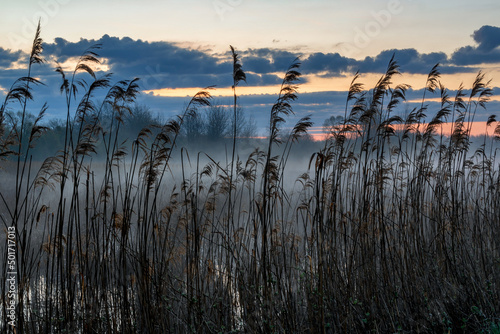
x=178 y=47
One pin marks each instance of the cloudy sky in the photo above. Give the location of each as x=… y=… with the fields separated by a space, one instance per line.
x=178 y=47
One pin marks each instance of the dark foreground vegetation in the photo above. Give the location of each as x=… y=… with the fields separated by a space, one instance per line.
x=395 y=227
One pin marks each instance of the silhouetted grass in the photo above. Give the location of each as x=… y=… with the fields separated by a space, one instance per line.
x=394 y=228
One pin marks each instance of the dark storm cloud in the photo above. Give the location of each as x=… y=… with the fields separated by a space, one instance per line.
x=255 y=79
x=487 y=37
x=266 y=60
x=409 y=60
x=134 y=56
x=161 y=64
x=334 y=64
x=258 y=65
x=331 y=63
x=487 y=51
x=8 y=57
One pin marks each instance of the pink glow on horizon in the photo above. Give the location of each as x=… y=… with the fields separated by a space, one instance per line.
x=476 y=129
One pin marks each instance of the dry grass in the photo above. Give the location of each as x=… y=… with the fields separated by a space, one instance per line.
x=391 y=231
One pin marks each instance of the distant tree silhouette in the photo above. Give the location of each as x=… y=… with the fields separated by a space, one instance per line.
x=217 y=123
x=193 y=126
x=140 y=117
x=249 y=128
x=245 y=127
x=331 y=122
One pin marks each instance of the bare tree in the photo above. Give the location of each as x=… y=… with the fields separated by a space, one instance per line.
x=217 y=122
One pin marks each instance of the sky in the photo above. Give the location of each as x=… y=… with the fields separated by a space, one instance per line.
x=179 y=47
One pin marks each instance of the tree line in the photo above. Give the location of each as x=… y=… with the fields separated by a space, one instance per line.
x=213 y=123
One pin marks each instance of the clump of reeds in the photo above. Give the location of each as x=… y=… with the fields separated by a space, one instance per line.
x=394 y=228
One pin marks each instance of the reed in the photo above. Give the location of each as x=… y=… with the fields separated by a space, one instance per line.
x=392 y=229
